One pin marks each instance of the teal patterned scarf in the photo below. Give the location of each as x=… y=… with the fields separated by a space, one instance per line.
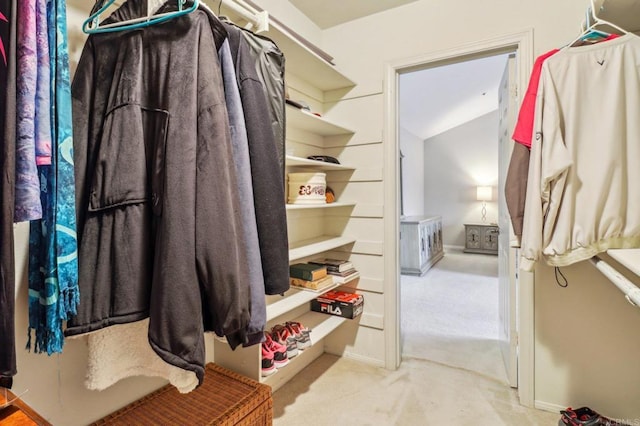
x=53 y=254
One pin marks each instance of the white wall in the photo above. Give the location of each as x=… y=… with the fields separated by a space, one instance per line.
x=455 y=163
x=412 y=148
x=363 y=47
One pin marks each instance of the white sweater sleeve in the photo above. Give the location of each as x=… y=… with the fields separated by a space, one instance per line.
x=548 y=167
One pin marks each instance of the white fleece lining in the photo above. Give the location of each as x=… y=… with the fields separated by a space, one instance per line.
x=122 y=351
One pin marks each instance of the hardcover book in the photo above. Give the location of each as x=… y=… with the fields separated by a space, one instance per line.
x=342 y=274
x=341 y=279
x=316 y=285
x=336 y=265
x=307 y=271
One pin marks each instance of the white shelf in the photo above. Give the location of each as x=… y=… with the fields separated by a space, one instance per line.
x=318 y=206
x=305 y=63
x=629 y=258
x=316 y=245
x=292 y=161
x=278 y=305
x=302 y=119
x=321 y=325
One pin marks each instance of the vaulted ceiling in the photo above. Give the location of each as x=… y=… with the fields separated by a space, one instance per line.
x=435 y=100
x=329 y=13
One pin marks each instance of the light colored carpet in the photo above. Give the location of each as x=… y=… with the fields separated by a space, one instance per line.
x=450 y=315
x=451 y=373
x=339 y=391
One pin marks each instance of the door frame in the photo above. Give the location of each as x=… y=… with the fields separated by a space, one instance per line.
x=522 y=44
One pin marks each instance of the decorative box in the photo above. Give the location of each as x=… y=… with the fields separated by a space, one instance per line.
x=307 y=188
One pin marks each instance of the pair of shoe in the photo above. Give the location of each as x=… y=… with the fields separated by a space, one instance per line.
x=584 y=416
x=283 y=343
x=274 y=355
x=293 y=335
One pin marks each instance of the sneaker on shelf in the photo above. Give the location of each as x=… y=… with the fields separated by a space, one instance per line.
x=301 y=333
x=280 y=358
x=268 y=365
x=584 y=416
x=280 y=334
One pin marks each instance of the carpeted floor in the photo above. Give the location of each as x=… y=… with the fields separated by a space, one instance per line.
x=450 y=315
x=451 y=373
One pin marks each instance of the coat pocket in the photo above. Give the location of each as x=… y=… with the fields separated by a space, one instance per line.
x=129 y=167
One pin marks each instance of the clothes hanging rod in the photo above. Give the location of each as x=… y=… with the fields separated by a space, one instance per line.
x=258 y=19
x=630 y=290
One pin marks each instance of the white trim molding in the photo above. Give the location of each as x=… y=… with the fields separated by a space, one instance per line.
x=520 y=42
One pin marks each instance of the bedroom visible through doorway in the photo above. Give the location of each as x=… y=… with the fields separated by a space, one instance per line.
x=449 y=119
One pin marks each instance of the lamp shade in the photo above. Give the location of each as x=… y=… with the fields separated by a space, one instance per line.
x=484 y=193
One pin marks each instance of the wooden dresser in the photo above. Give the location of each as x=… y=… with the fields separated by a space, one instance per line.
x=481 y=238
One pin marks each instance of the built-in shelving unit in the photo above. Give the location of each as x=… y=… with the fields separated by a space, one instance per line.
x=304 y=220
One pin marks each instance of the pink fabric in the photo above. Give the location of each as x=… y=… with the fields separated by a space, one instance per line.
x=524 y=127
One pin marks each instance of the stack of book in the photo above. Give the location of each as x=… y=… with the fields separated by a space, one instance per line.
x=309 y=276
x=342 y=271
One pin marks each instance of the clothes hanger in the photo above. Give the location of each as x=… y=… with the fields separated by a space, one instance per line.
x=596 y=22
x=593 y=34
x=92 y=24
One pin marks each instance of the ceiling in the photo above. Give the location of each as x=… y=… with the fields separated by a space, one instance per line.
x=329 y=13
x=434 y=100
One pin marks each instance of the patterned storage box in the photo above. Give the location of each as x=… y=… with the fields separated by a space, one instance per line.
x=307 y=188
x=225 y=398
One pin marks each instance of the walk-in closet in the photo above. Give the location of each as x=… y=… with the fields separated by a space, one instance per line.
x=210 y=210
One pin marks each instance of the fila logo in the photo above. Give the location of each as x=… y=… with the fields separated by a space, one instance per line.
x=330 y=309
x=601 y=62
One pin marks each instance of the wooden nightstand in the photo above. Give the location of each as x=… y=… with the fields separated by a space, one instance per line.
x=481 y=238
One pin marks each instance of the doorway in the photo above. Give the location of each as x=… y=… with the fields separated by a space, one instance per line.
x=449 y=121
x=521 y=44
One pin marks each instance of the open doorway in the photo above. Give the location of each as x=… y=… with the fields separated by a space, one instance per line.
x=449 y=120
x=521 y=45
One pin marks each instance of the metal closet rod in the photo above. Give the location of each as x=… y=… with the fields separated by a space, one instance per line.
x=630 y=290
x=259 y=20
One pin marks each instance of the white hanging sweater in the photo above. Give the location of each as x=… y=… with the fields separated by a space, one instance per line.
x=583 y=192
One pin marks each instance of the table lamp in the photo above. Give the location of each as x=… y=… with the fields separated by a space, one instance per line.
x=484 y=194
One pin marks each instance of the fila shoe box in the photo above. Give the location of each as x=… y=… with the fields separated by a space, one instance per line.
x=340 y=303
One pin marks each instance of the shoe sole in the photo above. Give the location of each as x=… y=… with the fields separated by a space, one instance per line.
x=280 y=364
x=270 y=371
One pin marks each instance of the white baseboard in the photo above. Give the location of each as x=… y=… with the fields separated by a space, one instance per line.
x=547 y=406
x=448 y=247
x=362 y=358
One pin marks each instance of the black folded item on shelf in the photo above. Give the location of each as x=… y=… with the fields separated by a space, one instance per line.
x=298 y=104
x=325 y=158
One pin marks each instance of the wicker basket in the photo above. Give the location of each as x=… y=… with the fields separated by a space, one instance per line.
x=225 y=398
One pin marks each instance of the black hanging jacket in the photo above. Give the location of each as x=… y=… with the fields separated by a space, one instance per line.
x=158 y=217
x=268 y=183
